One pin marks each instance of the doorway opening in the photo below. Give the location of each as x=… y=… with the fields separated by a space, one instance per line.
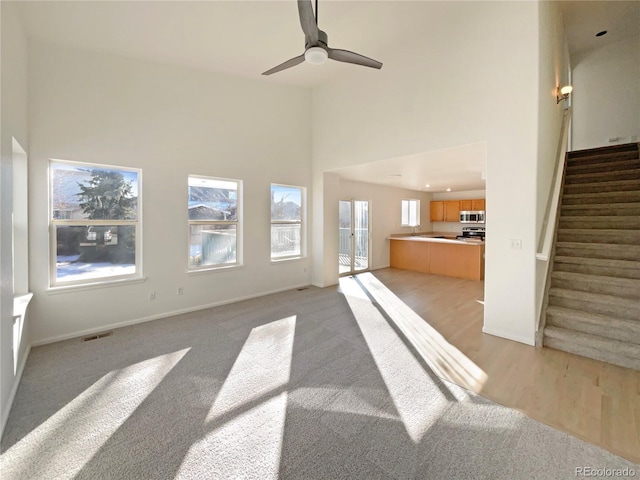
x=353 y=228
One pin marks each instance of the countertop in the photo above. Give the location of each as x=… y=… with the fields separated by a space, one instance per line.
x=433 y=237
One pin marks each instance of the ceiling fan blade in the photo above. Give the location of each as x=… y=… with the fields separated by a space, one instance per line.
x=288 y=64
x=308 y=22
x=352 y=57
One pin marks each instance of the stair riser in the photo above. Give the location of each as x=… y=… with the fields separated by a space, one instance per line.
x=599 y=198
x=624 y=223
x=626 y=237
x=595 y=250
x=574 y=179
x=633 y=273
x=617 y=166
x=600 y=308
x=596 y=354
x=620 y=210
x=631 y=334
x=586 y=158
x=622 y=186
x=597 y=287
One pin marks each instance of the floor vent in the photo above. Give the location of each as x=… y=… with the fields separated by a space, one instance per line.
x=97 y=336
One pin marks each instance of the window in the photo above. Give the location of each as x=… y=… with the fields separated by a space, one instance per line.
x=410 y=213
x=95 y=223
x=287 y=214
x=214 y=227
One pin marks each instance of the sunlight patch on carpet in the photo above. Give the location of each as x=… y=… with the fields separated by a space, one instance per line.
x=109 y=402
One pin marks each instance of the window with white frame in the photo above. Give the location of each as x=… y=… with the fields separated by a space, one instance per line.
x=287 y=215
x=410 y=213
x=95 y=223
x=214 y=222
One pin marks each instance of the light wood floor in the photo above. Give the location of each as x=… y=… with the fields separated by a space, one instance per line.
x=595 y=401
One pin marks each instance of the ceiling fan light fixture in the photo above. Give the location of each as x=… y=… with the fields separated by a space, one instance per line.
x=316 y=55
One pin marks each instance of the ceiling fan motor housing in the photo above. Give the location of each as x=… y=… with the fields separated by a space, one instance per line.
x=323 y=41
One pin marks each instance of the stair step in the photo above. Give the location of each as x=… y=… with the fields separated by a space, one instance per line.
x=597 y=266
x=599 y=187
x=610 y=305
x=598 y=250
x=600 y=198
x=601 y=222
x=599 y=167
x=587 y=235
x=604 y=152
x=572 y=178
x=603 y=349
x=602 y=209
x=584 y=282
x=594 y=324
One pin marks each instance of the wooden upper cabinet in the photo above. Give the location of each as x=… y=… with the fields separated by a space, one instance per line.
x=452 y=211
x=478 y=204
x=466 y=205
x=437 y=211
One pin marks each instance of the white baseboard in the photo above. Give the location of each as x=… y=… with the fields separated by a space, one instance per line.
x=14 y=390
x=135 y=321
x=509 y=336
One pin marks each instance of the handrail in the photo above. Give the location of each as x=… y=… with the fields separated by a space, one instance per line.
x=545 y=243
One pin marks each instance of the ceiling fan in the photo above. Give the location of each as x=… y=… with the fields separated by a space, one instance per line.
x=316 y=46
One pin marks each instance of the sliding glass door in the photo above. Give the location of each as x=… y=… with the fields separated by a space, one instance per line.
x=353 y=253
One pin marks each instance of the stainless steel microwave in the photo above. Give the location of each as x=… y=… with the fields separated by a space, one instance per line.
x=472 y=216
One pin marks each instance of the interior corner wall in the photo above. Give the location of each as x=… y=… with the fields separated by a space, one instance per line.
x=470 y=75
x=606 y=95
x=170 y=122
x=384 y=214
x=553 y=73
x=13 y=106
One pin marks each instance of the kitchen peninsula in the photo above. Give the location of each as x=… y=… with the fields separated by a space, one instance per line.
x=439 y=255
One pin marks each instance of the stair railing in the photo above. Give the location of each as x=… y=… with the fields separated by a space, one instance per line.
x=550 y=222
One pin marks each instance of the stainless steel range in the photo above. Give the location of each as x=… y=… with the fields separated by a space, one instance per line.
x=468 y=233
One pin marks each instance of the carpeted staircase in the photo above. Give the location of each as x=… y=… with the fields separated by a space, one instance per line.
x=593 y=304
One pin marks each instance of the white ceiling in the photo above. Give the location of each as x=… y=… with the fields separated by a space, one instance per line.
x=245 y=38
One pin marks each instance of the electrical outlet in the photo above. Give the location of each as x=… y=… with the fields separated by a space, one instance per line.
x=152 y=295
x=516 y=244
x=180 y=291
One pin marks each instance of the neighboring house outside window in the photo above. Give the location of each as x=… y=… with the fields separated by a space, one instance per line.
x=410 y=213
x=214 y=207
x=287 y=217
x=95 y=223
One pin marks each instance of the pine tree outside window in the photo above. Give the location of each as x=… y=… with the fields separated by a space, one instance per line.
x=95 y=223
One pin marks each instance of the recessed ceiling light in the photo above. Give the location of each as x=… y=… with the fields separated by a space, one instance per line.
x=448 y=189
x=599 y=34
x=427 y=185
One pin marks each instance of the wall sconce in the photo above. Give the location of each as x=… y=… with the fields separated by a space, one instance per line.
x=563 y=93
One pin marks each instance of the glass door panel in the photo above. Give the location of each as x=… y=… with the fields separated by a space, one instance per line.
x=353 y=251
x=345 y=244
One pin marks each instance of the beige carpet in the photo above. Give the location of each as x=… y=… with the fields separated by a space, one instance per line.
x=311 y=384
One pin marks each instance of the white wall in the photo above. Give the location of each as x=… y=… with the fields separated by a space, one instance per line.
x=472 y=76
x=553 y=73
x=606 y=95
x=456 y=227
x=384 y=214
x=13 y=98
x=170 y=122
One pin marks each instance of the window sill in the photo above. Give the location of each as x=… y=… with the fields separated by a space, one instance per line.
x=226 y=268
x=287 y=260
x=91 y=286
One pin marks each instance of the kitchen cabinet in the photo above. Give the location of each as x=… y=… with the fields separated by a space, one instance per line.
x=437 y=211
x=477 y=204
x=466 y=205
x=452 y=211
